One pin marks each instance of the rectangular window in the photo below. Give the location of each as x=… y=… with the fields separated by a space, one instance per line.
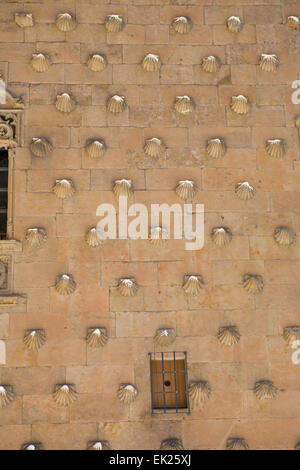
x=169 y=382
x=3 y=193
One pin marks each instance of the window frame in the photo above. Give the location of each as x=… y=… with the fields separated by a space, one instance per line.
x=165 y=355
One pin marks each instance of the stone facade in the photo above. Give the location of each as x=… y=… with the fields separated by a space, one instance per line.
x=32 y=302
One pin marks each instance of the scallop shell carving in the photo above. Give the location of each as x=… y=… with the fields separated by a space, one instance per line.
x=151 y=63
x=253 y=283
x=221 y=236
x=199 y=392
x=236 y=443
x=65 y=394
x=65 y=22
x=164 y=336
x=116 y=104
x=65 y=284
x=128 y=287
x=210 y=64
x=92 y=238
x=95 y=148
x=193 y=285
x=293 y=22
x=96 y=62
x=114 y=23
x=63 y=189
x=98 y=445
x=65 y=103
x=6 y=395
x=40 y=62
x=228 y=335
x=186 y=189
x=268 y=62
x=275 y=148
x=158 y=236
x=34 y=339
x=284 y=236
x=154 y=147
x=40 y=147
x=234 y=24
x=291 y=334
x=244 y=191
x=24 y=20
x=96 y=337
x=240 y=104
x=32 y=446
x=123 y=188
x=216 y=148
x=35 y=237
x=265 y=390
x=183 y=105
x=182 y=24
x=127 y=393
x=171 y=444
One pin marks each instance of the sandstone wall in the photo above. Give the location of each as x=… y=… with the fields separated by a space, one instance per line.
x=232 y=410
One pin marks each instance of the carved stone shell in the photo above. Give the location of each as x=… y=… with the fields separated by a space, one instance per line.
x=244 y=191
x=216 y=148
x=193 y=284
x=275 y=148
x=210 y=64
x=96 y=337
x=158 y=236
x=186 y=189
x=32 y=446
x=127 y=393
x=92 y=238
x=171 y=444
x=98 y=445
x=151 y=63
x=240 y=104
x=291 y=334
x=95 y=148
x=65 y=22
x=96 y=62
x=265 y=390
x=253 y=283
x=35 y=237
x=40 y=147
x=6 y=395
x=284 y=236
x=128 y=287
x=34 y=339
x=116 y=104
x=234 y=24
x=40 y=62
x=114 y=23
x=183 y=105
x=297 y=446
x=24 y=20
x=165 y=336
x=228 y=335
x=236 y=443
x=64 y=394
x=65 y=284
x=221 y=236
x=63 y=189
x=154 y=147
x=182 y=24
x=65 y=103
x=293 y=22
x=268 y=62
x=199 y=392
x=123 y=188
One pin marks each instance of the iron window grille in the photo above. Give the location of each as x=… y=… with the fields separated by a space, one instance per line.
x=169 y=382
x=3 y=193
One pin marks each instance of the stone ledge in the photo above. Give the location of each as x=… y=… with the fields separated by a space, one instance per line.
x=12 y=299
x=10 y=245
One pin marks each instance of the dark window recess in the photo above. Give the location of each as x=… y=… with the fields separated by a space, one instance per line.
x=169 y=382
x=3 y=192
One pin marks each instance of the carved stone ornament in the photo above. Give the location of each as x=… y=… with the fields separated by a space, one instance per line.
x=11 y=109
x=98 y=445
x=236 y=443
x=171 y=444
x=32 y=446
x=5 y=268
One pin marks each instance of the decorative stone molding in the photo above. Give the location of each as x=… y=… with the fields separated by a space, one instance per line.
x=10 y=121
